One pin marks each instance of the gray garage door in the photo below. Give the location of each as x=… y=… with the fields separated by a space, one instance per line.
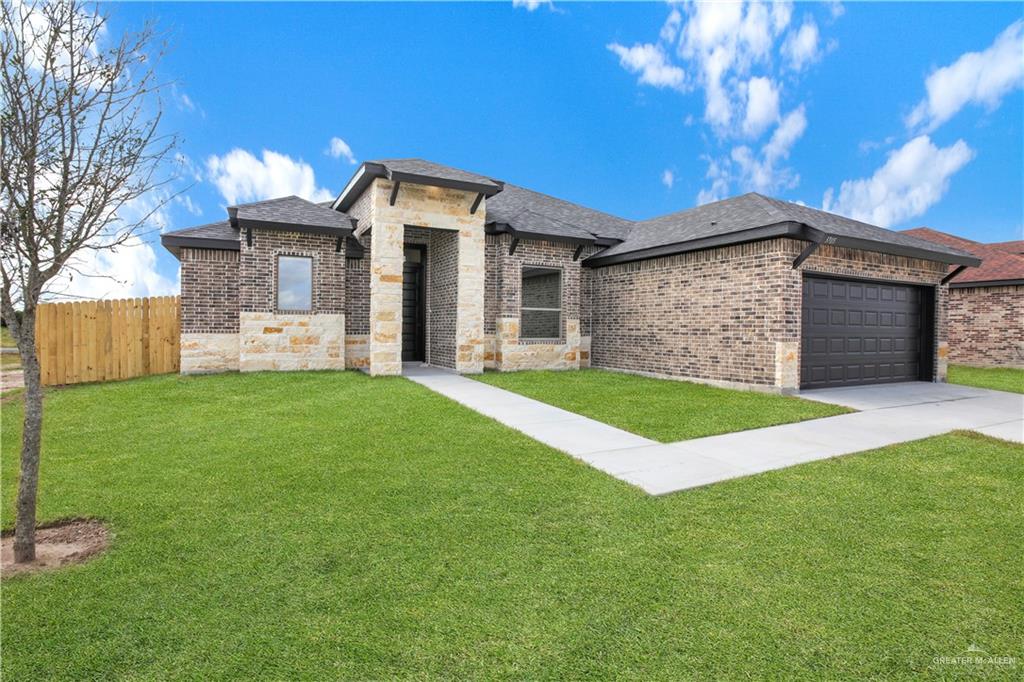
x=860 y=333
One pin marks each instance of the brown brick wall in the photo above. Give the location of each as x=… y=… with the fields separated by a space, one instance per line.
x=357 y=291
x=717 y=314
x=986 y=326
x=492 y=264
x=508 y=282
x=258 y=270
x=360 y=210
x=442 y=296
x=712 y=314
x=209 y=291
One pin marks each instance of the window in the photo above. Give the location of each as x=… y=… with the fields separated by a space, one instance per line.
x=541 y=316
x=294 y=283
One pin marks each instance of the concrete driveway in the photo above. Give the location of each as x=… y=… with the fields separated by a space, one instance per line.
x=888 y=414
x=994 y=413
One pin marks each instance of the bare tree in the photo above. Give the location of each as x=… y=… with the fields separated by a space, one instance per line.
x=79 y=145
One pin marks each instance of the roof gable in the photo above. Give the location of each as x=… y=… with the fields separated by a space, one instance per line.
x=290 y=211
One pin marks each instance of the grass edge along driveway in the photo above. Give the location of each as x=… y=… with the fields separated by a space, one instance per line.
x=659 y=409
x=996 y=378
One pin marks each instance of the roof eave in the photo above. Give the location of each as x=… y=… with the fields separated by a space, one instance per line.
x=175 y=243
x=505 y=228
x=330 y=230
x=979 y=284
x=357 y=184
x=487 y=189
x=905 y=250
x=783 y=229
x=368 y=172
x=792 y=229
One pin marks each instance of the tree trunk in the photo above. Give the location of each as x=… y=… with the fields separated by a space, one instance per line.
x=28 y=484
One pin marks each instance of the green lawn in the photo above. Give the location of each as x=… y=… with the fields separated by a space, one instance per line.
x=998 y=378
x=659 y=409
x=6 y=340
x=326 y=525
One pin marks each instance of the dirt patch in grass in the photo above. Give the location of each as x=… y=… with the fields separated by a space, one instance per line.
x=57 y=545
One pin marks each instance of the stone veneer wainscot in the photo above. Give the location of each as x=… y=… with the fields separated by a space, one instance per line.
x=272 y=339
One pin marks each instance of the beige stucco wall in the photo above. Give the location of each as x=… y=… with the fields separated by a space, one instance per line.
x=205 y=353
x=432 y=208
x=284 y=341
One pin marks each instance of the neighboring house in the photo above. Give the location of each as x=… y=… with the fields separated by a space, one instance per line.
x=416 y=261
x=986 y=304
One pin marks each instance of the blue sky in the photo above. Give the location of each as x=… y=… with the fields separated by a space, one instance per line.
x=873 y=110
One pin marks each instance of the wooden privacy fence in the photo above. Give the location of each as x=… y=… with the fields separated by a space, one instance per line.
x=107 y=340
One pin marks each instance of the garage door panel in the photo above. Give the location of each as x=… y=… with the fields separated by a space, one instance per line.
x=859 y=332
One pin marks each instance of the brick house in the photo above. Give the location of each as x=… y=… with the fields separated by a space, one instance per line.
x=419 y=262
x=986 y=304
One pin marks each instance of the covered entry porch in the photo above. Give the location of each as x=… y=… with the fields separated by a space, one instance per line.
x=424 y=234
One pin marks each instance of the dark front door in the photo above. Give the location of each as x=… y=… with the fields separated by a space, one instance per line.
x=413 y=305
x=860 y=332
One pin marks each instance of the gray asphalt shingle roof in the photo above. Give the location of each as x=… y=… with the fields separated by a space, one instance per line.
x=527 y=211
x=219 y=230
x=532 y=213
x=751 y=211
x=435 y=170
x=292 y=210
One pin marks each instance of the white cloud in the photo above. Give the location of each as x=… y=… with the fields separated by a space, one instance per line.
x=668 y=178
x=185 y=103
x=758 y=171
x=36 y=21
x=836 y=9
x=733 y=53
x=189 y=205
x=723 y=41
x=785 y=136
x=339 y=149
x=867 y=146
x=124 y=271
x=801 y=46
x=782 y=12
x=186 y=168
x=762 y=106
x=719 y=177
x=975 y=78
x=531 y=5
x=240 y=176
x=913 y=178
x=670 y=29
x=127 y=271
x=651 y=63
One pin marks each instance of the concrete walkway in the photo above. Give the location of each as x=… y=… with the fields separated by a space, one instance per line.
x=561 y=429
x=889 y=414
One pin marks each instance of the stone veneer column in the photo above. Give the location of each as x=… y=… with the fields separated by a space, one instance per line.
x=941 y=335
x=387 y=255
x=469 y=323
x=433 y=208
x=787 y=366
